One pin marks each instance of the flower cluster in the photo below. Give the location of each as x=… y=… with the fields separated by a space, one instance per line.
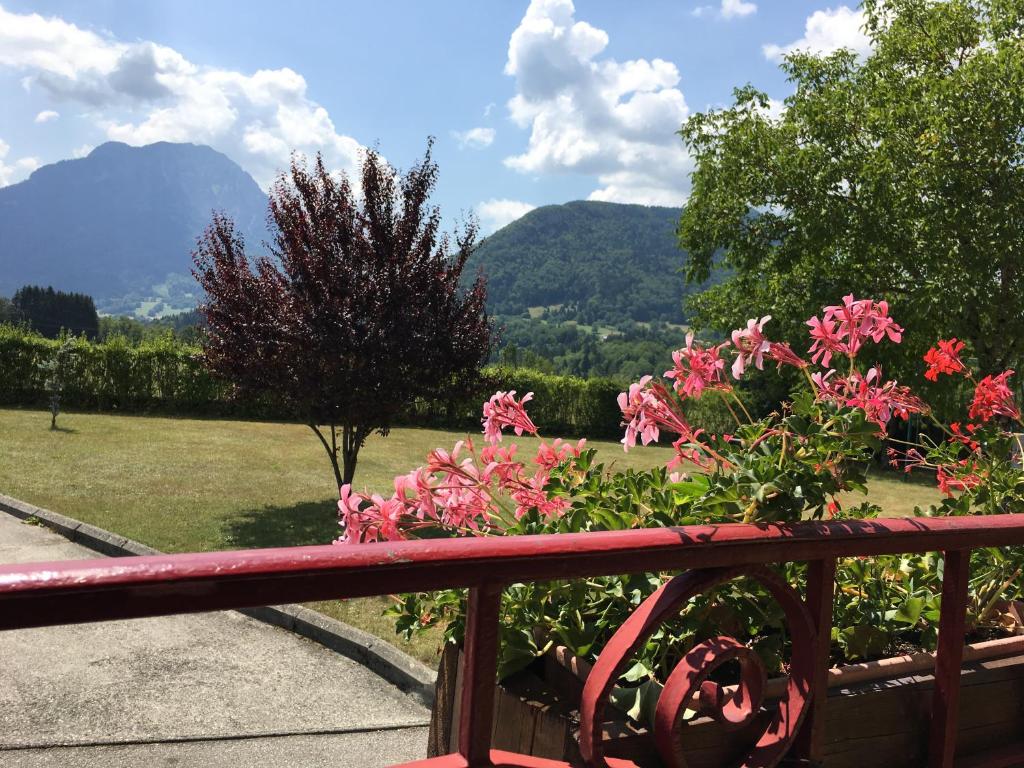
x=993 y=397
x=880 y=400
x=696 y=368
x=648 y=408
x=944 y=358
x=992 y=394
x=843 y=329
x=462 y=491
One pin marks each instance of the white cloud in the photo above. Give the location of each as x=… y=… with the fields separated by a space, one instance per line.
x=82 y=150
x=594 y=115
x=143 y=92
x=16 y=170
x=489 y=108
x=495 y=214
x=735 y=8
x=729 y=9
x=826 y=32
x=474 y=138
x=47 y=115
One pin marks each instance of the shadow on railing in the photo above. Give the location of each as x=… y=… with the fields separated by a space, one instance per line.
x=46 y=594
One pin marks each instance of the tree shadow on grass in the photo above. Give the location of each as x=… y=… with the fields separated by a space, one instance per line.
x=308 y=522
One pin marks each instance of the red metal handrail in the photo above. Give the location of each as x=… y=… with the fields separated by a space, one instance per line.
x=45 y=594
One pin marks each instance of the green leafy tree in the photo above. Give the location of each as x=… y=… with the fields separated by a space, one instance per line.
x=899 y=175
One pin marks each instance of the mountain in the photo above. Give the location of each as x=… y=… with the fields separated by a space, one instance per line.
x=120 y=224
x=588 y=261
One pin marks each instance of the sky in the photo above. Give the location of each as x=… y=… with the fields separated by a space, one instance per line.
x=531 y=103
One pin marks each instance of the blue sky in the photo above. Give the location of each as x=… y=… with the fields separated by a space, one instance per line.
x=531 y=102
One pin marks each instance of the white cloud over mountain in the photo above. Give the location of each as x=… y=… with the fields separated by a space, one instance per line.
x=826 y=32
x=142 y=92
x=46 y=116
x=16 y=169
x=495 y=214
x=593 y=115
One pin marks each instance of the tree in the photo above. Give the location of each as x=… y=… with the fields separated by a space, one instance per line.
x=898 y=176
x=358 y=313
x=50 y=312
x=55 y=369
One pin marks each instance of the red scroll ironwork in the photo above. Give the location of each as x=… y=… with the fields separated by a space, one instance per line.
x=690 y=678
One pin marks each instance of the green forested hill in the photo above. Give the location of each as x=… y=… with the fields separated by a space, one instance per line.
x=603 y=263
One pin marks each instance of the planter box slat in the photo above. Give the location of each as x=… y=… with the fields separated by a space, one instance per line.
x=882 y=724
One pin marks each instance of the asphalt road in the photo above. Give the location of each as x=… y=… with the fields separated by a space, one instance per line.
x=213 y=689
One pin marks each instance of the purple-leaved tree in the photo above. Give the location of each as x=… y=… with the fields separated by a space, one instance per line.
x=358 y=313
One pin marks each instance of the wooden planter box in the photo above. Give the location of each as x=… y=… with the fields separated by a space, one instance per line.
x=877 y=713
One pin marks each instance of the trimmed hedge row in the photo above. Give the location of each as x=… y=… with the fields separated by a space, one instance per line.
x=164 y=375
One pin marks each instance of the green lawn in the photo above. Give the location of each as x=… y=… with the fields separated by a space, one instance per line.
x=189 y=484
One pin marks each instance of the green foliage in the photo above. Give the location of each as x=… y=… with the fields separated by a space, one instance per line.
x=598 y=262
x=52 y=312
x=55 y=369
x=157 y=374
x=163 y=373
x=625 y=352
x=185 y=326
x=898 y=176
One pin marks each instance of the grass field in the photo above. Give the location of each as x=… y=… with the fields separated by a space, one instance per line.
x=188 y=484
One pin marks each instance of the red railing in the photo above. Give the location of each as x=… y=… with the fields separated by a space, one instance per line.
x=45 y=594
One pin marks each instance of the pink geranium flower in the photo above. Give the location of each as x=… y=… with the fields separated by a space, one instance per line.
x=826 y=341
x=783 y=354
x=843 y=328
x=503 y=410
x=751 y=346
x=647 y=409
x=697 y=368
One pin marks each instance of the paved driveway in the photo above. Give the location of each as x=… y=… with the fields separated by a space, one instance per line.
x=216 y=689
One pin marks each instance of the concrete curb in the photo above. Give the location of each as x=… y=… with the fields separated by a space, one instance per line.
x=379 y=656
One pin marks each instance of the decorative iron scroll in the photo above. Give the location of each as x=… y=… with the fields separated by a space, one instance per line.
x=690 y=676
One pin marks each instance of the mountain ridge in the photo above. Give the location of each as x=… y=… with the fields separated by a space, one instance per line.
x=595 y=262
x=81 y=224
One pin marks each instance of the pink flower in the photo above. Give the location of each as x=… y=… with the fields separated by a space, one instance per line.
x=751 y=346
x=647 y=408
x=533 y=495
x=826 y=341
x=783 y=354
x=993 y=397
x=550 y=456
x=697 y=368
x=843 y=328
x=349 y=518
x=416 y=488
x=502 y=410
x=879 y=401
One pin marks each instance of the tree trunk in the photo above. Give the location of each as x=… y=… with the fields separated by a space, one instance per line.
x=332 y=452
x=350 y=450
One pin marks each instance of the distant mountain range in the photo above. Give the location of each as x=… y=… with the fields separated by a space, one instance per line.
x=588 y=261
x=121 y=223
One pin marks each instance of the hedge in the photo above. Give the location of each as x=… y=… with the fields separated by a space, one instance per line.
x=165 y=375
